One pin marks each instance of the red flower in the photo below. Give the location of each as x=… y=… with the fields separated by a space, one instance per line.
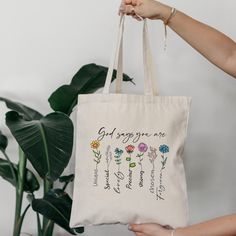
x=129 y=149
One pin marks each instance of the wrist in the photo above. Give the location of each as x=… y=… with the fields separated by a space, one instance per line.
x=165 y=12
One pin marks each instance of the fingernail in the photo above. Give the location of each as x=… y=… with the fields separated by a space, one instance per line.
x=129 y=227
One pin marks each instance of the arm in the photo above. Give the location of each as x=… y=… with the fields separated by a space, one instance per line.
x=223 y=226
x=212 y=44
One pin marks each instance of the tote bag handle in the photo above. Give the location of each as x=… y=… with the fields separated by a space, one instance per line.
x=150 y=86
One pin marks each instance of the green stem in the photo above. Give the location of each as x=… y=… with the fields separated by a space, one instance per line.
x=49 y=228
x=48 y=225
x=40 y=233
x=65 y=185
x=20 y=222
x=19 y=192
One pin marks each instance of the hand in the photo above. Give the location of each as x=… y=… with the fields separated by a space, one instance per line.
x=151 y=9
x=149 y=230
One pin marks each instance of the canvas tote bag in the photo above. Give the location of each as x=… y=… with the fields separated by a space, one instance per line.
x=129 y=152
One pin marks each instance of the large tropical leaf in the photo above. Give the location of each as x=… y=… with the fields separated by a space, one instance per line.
x=56 y=206
x=88 y=79
x=31 y=183
x=27 y=112
x=47 y=143
x=3 y=141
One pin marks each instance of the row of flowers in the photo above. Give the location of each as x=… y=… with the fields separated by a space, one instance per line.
x=142 y=148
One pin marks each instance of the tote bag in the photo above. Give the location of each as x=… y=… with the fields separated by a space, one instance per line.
x=129 y=152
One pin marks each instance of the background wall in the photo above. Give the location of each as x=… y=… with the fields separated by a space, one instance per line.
x=43 y=43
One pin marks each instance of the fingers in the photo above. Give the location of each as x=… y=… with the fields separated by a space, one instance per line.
x=137 y=228
x=136 y=17
x=127 y=9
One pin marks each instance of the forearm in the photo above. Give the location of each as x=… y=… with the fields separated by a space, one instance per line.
x=223 y=226
x=212 y=44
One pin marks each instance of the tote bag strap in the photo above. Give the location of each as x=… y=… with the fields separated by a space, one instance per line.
x=150 y=86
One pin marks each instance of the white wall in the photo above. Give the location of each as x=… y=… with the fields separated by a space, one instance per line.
x=43 y=43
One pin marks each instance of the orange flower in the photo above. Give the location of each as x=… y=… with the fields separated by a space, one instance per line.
x=95 y=144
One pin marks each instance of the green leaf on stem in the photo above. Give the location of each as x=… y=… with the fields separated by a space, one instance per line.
x=88 y=79
x=47 y=143
x=56 y=206
x=27 y=112
x=31 y=183
x=66 y=178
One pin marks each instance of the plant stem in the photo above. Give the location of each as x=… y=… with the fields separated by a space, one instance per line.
x=40 y=233
x=48 y=225
x=19 y=192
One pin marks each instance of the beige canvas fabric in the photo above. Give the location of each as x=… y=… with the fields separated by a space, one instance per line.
x=129 y=152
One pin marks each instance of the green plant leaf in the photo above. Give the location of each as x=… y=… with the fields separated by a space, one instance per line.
x=56 y=206
x=66 y=178
x=88 y=79
x=3 y=141
x=27 y=112
x=47 y=143
x=31 y=182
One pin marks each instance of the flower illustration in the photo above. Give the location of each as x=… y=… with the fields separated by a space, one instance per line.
x=152 y=157
x=95 y=144
x=142 y=147
x=152 y=154
x=160 y=191
x=164 y=148
x=118 y=152
x=129 y=149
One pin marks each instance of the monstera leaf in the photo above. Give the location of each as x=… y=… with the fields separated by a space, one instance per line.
x=88 y=79
x=31 y=183
x=47 y=143
x=56 y=206
x=27 y=112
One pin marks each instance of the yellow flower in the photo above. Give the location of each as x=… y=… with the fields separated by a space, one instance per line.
x=95 y=144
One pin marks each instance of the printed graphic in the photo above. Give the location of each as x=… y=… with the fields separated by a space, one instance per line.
x=119 y=175
x=161 y=188
x=142 y=147
x=152 y=157
x=108 y=159
x=130 y=149
x=119 y=162
x=97 y=158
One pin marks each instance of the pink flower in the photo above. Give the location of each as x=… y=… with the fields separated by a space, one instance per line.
x=129 y=148
x=142 y=147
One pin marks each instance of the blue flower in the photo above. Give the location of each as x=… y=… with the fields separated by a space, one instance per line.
x=118 y=152
x=164 y=148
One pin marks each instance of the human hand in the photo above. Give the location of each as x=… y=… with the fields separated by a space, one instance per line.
x=149 y=230
x=151 y=9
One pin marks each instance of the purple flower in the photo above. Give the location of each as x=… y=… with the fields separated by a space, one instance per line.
x=142 y=147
